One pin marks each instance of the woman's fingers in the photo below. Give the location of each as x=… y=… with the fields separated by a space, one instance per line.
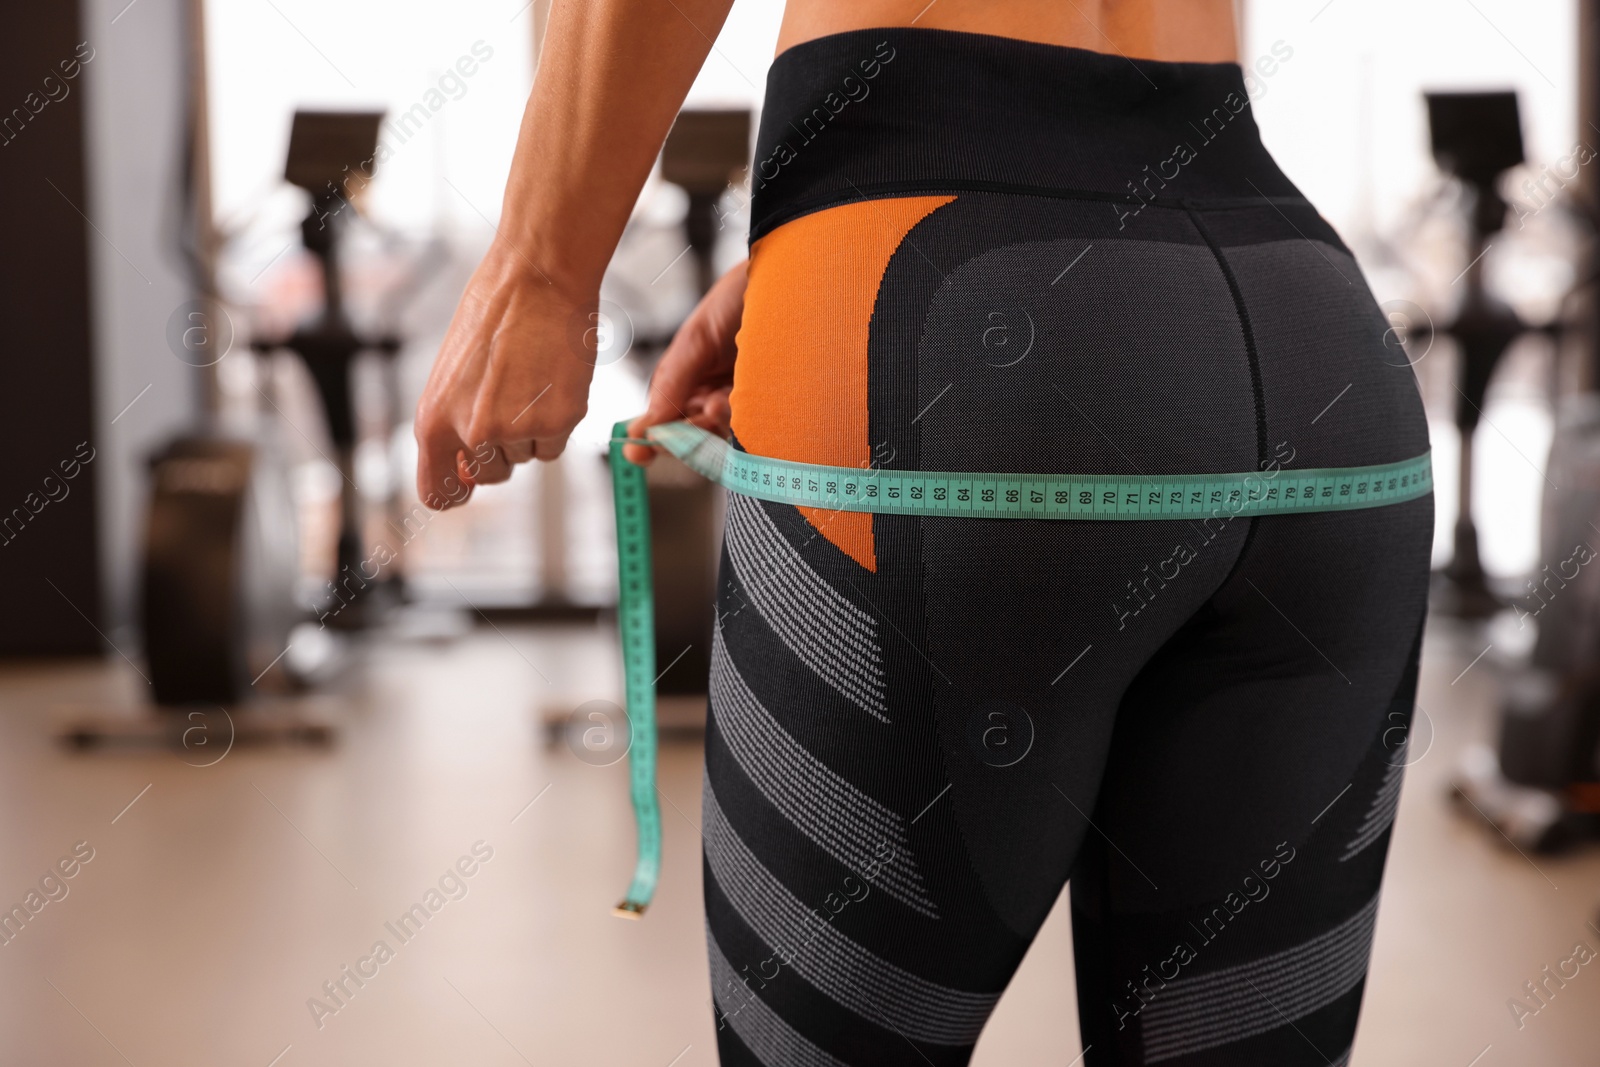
x=707 y=410
x=518 y=451
x=486 y=465
x=698 y=364
x=439 y=482
x=714 y=413
x=640 y=454
x=548 y=448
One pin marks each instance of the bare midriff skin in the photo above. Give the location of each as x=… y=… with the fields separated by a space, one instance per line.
x=1182 y=31
x=512 y=377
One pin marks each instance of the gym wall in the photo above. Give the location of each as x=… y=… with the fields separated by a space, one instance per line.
x=47 y=519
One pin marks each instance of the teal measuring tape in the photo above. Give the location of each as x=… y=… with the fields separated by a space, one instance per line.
x=636 y=619
x=992 y=496
x=1041 y=496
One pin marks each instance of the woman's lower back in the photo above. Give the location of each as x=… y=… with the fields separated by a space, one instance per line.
x=1181 y=31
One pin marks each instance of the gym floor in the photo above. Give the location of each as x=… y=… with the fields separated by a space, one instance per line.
x=220 y=898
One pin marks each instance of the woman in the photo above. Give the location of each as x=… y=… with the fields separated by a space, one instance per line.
x=1028 y=237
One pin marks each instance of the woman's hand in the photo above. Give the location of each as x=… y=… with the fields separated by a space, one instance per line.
x=510 y=382
x=512 y=378
x=695 y=375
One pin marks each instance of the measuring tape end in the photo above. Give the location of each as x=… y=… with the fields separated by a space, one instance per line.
x=629 y=909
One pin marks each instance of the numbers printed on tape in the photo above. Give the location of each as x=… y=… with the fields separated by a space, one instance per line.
x=1043 y=496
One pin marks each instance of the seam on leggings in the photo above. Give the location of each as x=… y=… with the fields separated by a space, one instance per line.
x=1254 y=360
x=935 y=739
x=1244 y=550
x=1244 y=327
x=765 y=223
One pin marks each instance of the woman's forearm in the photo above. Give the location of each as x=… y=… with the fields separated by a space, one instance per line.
x=611 y=79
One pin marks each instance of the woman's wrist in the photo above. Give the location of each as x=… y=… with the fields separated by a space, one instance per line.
x=524 y=264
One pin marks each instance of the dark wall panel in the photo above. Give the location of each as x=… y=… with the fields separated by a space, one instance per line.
x=49 y=568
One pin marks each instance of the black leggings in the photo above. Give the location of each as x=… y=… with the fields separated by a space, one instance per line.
x=994 y=256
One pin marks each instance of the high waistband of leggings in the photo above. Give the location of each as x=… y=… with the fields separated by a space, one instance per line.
x=903 y=111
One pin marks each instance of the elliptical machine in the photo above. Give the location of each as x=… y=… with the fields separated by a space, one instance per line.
x=332 y=155
x=1541 y=786
x=220 y=559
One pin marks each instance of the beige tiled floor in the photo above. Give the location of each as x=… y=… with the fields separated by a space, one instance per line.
x=225 y=896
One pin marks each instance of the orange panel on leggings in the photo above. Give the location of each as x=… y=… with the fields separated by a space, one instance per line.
x=800 y=383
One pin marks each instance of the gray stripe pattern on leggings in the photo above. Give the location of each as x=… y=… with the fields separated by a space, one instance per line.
x=844 y=822
x=772 y=1041
x=1208 y=1010
x=1381 y=812
x=824 y=630
x=843 y=970
x=1344 y=1060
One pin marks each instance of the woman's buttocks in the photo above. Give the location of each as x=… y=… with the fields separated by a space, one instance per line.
x=953 y=269
x=991 y=332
